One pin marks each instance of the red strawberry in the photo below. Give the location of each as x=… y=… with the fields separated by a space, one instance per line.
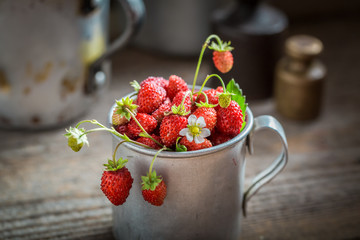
x=148 y=122
x=162 y=82
x=123 y=129
x=217 y=138
x=223 y=61
x=116 y=182
x=170 y=127
x=155 y=197
x=220 y=89
x=209 y=115
x=212 y=95
x=230 y=119
x=222 y=56
x=150 y=97
x=159 y=113
x=150 y=142
x=176 y=84
x=192 y=146
x=179 y=98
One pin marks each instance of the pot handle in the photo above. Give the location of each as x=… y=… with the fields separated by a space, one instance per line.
x=134 y=11
x=260 y=123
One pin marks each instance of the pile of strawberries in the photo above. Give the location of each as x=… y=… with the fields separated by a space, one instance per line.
x=164 y=107
x=167 y=115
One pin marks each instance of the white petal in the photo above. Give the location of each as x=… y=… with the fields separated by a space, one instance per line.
x=184 y=131
x=189 y=137
x=201 y=122
x=205 y=132
x=199 y=139
x=192 y=120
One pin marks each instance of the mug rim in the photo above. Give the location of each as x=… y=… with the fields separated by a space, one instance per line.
x=188 y=154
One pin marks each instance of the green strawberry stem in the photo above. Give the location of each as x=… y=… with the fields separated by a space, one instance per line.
x=142 y=129
x=205 y=45
x=116 y=148
x=210 y=76
x=153 y=160
x=112 y=130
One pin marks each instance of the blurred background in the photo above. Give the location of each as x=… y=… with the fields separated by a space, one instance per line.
x=63 y=61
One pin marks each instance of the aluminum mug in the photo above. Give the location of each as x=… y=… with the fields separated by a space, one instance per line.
x=205 y=188
x=52 y=58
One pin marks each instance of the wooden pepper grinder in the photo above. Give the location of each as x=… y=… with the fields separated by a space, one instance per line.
x=257 y=32
x=299 y=78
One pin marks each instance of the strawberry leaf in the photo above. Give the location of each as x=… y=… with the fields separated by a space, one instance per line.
x=237 y=96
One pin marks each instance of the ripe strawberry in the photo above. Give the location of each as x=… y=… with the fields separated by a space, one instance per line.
x=149 y=141
x=116 y=182
x=217 y=138
x=176 y=84
x=162 y=82
x=222 y=56
x=123 y=129
x=155 y=197
x=150 y=97
x=192 y=146
x=209 y=115
x=223 y=61
x=212 y=95
x=148 y=122
x=230 y=119
x=178 y=99
x=159 y=113
x=170 y=127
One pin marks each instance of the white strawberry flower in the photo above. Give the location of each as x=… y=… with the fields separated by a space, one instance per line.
x=195 y=129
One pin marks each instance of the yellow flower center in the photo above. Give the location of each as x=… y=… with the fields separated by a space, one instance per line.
x=195 y=130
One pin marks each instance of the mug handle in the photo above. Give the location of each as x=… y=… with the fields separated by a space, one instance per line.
x=265 y=122
x=134 y=11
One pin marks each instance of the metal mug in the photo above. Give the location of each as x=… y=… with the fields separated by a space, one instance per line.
x=53 y=58
x=205 y=188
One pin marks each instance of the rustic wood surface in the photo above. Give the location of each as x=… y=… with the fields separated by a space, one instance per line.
x=49 y=192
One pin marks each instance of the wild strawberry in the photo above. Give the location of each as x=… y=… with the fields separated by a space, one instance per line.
x=150 y=142
x=217 y=138
x=154 y=193
x=162 y=82
x=176 y=84
x=148 y=122
x=220 y=89
x=179 y=98
x=170 y=127
x=222 y=56
x=150 y=97
x=159 y=113
x=192 y=146
x=123 y=129
x=209 y=115
x=230 y=119
x=212 y=96
x=76 y=138
x=116 y=182
x=121 y=114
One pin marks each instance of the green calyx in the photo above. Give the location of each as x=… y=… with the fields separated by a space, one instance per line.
x=180 y=147
x=135 y=85
x=221 y=46
x=115 y=165
x=76 y=138
x=150 y=181
x=124 y=105
x=179 y=110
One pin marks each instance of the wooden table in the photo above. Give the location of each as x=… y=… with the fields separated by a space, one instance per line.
x=49 y=192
